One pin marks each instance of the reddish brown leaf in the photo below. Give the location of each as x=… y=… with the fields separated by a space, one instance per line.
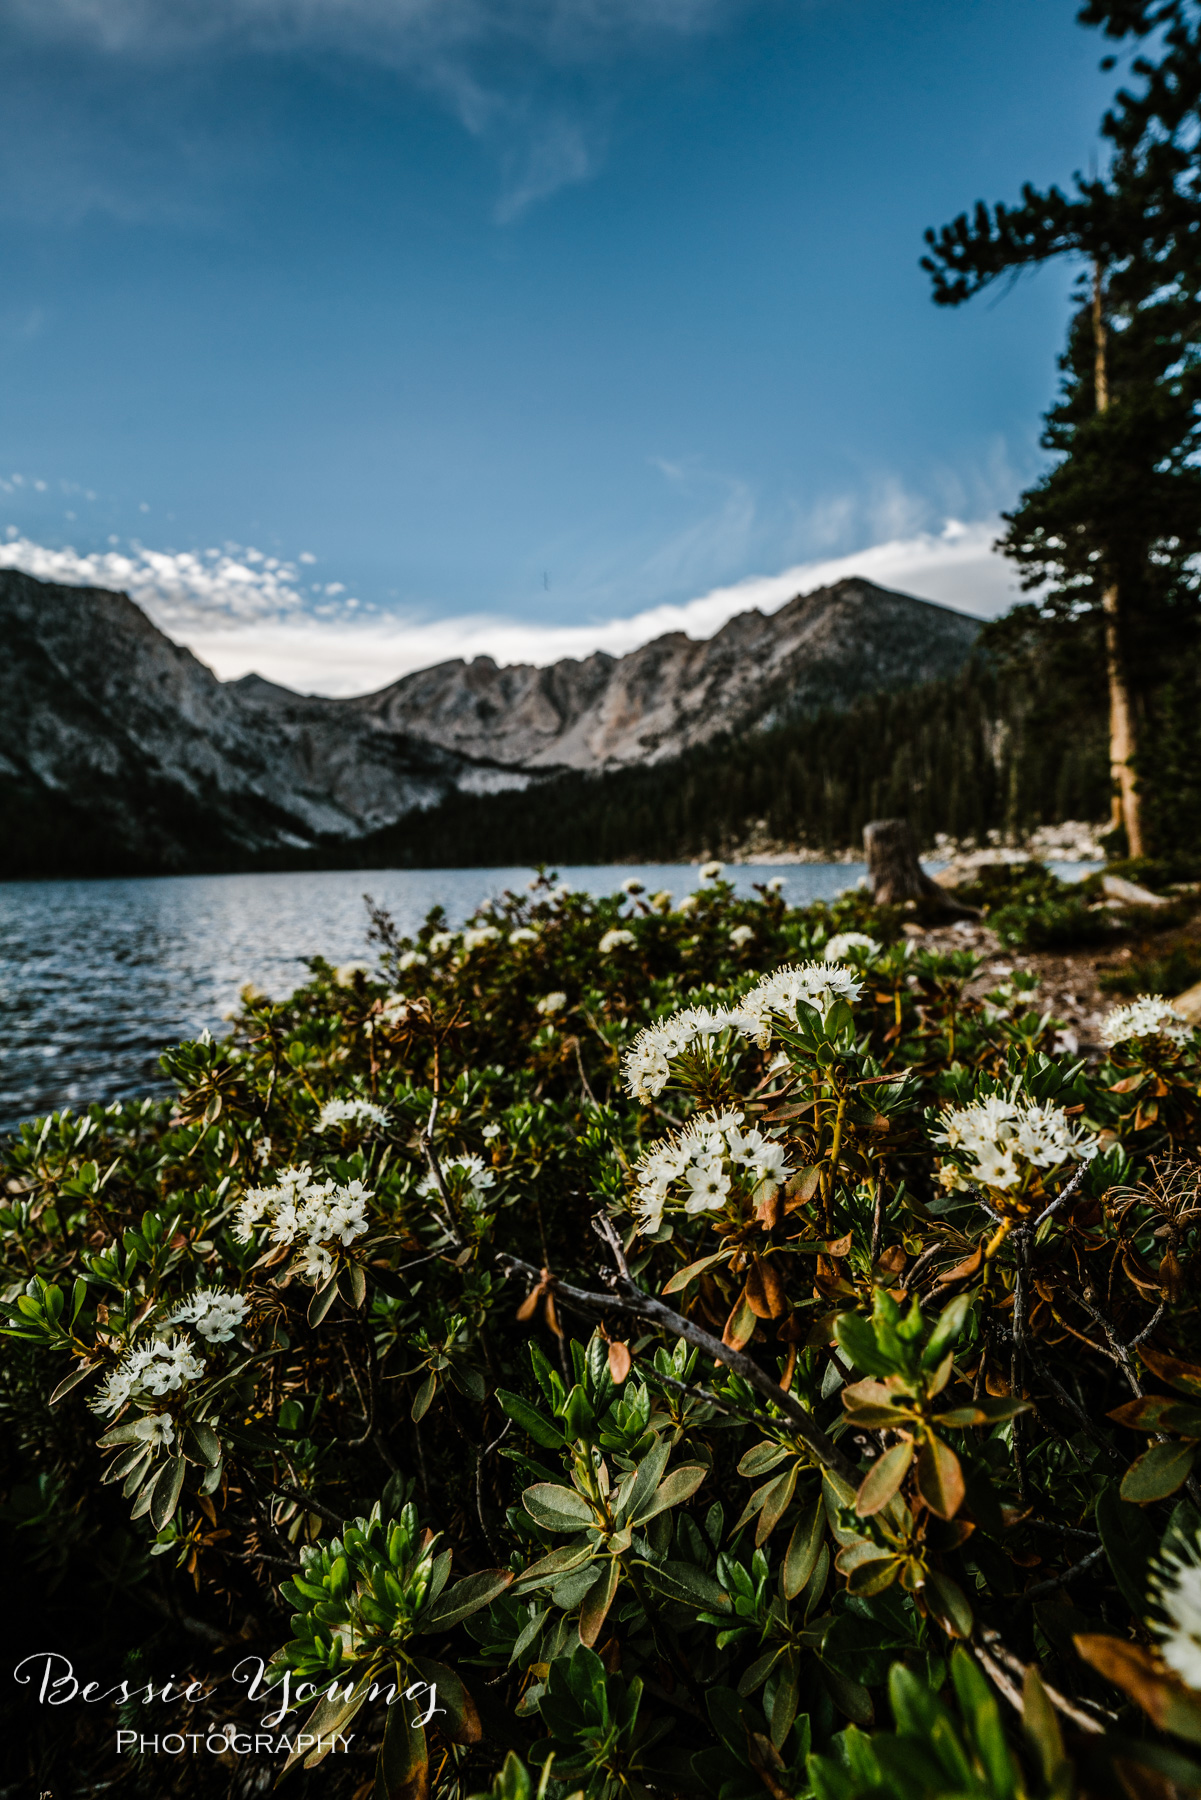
x=940 y=1478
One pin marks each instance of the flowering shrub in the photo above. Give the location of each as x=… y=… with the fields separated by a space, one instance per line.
x=771 y=1332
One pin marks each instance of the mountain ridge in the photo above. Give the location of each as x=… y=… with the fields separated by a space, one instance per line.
x=120 y=751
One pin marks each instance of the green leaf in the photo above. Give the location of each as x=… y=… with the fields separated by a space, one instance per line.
x=597 y=1602
x=650 y=1471
x=468 y=1596
x=166 y=1493
x=1158 y=1472
x=1129 y=1544
x=558 y=1508
x=978 y=1704
x=680 y=1485
x=684 y=1581
x=683 y=1276
x=531 y=1420
x=402 y=1772
x=72 y=1381
x=329 y=1716
x=949 y=1604
x=322 y=1300
x=423 y=1399
x=806 y=1541
x=461 y=1723
x=762 y=1457
x=857 y=1338
x=950 y=1323
x=984 y=1411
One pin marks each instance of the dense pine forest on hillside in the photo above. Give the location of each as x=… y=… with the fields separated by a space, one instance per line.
x=1016 y=740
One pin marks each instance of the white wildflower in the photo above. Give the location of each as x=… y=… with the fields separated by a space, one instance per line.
x=1176 y=1588
x=395 y=1009
x=157 y=1368
x=467 y=1172
x=411 y=959
x=523 y=935
x=491 y=1131
x=155 y=1429
x=476 y=936
x=688 y=904
x=711 y=870
x=708 y=1185
x=345 y=973
x=839 y=947
x=775 y=885
x=1004 y=1137
x=741 y=934
x=818 y=985
x=550 y=1003
x=262 y=1149
x=699 y=1168
x=212 y=1312
x=318 y=1213
x=646 y=1064
x=1148 y=1016
x=441 y=942
x=631 y=885
x=352 y=1111
x=615 y=940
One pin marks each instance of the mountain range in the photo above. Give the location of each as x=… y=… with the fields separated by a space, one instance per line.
x=121 y=752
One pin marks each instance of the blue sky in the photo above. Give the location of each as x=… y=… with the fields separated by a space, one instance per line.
x=529 y=324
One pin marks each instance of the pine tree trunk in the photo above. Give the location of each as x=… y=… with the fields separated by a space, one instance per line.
x=1126 y=806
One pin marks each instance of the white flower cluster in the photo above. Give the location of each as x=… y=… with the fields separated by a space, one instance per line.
x=213 y=1312
x=1176 y=1587
x=615 y=940
x=476 y=936
x=701 y=1162
x=631 y=885
x=1148 y=1016
x=999 y=1135
x=816 y=984
x=345 y=973
x=839 y=947
x=475 y=1177
x=411 y=959
x=551 y=1003
x=711 y=870
x=441 y=942
x=741 y=934
x=320 y=1212
x=647 y=1063
x=354 y=1111
x=524 y=934
x=157 y=1368
x=688 y=904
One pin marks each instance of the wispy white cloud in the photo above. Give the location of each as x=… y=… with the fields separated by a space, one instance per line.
x=230 y=587
x=241 y=611
x=530 y=78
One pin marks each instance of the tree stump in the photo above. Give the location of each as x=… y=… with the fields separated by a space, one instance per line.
x=897 y=877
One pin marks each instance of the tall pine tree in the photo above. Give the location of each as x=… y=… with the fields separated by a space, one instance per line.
x=1108 y=537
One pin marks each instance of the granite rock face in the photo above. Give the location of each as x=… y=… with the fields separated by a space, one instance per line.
x=101 y=713
x=113 y=734
x=821 y=649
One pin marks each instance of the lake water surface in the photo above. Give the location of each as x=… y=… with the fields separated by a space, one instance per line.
x=97 y=976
